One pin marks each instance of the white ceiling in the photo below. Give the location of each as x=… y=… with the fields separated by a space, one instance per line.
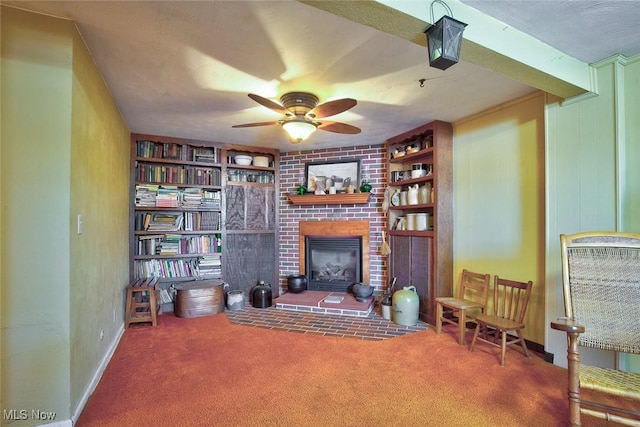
x=184 y=69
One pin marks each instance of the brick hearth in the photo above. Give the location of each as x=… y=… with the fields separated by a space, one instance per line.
x=314 y=302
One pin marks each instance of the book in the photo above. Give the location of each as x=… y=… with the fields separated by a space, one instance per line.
x=333 y=299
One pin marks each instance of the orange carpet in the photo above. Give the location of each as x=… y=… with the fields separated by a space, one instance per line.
x=206 y=371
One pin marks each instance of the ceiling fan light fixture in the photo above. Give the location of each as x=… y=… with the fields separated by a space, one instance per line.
x=299 y=129
x=444 y=40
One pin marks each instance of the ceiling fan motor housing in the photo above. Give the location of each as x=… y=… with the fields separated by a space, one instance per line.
x=299 y=103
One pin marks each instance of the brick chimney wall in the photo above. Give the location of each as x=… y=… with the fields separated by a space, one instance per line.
x=292 y=168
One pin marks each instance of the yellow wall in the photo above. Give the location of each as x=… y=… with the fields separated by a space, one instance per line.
x=100 y=193
x=65 y=150
x=499 y=198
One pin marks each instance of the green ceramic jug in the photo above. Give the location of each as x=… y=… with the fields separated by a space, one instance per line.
x=405 y=306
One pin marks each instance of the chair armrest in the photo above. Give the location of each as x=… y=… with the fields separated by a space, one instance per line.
x=568 y=325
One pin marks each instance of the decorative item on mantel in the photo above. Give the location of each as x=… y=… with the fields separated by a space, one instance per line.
x=301 y=188
x=365 y=186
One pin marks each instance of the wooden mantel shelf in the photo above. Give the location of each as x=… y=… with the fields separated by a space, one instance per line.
x=328 y=199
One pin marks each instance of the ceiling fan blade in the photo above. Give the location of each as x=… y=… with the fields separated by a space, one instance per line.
x=332 y=108
x=338 y=127
x=268 y=103
x=250 y=125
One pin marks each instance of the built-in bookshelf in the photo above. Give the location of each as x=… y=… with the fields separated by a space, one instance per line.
x=194 y=210
x=177 y=210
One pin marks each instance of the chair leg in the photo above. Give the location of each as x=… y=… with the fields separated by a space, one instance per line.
x=475 y=336
x=438 y=318
x=462 y=326
x=503 y=347
x=524 y=344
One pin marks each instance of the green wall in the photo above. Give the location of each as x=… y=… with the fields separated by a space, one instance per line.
x=592 y=183
x=65 y=151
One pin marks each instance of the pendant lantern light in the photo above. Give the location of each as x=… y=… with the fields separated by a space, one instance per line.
x=444 y=39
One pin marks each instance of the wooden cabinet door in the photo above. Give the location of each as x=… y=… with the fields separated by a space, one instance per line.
x=411 y=263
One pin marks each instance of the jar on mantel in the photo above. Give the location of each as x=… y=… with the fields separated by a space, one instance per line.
x=365 y=187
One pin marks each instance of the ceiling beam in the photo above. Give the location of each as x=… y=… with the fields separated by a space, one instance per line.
x=488 y=43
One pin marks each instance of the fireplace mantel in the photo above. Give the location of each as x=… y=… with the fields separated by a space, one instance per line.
x=335 y=228
x=328 y=199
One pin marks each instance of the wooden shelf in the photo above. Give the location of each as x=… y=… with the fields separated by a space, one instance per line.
x=328 y=199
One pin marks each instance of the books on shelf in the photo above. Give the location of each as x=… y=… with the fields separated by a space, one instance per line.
x=161 y=221
x=174 y=151
x=177 y=244
x=168 y=196
x=177 y=174
x=166 y=268
x=209 y=266
x=191 y=221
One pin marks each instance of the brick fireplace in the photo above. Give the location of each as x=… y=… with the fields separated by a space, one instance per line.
x=292 y=168
x=336 y=231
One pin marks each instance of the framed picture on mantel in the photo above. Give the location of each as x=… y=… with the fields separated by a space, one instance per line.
x=338 y=174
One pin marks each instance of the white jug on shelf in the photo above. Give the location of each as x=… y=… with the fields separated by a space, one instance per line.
x=412 y=195
x=425 y=193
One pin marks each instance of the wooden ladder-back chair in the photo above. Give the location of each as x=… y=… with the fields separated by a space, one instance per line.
x=601 y=283
x=510 y=300
x=472 y=295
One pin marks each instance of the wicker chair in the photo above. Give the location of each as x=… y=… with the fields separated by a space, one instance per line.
x=601 y=282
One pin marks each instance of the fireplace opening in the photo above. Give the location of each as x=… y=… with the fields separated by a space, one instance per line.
x=333 y=264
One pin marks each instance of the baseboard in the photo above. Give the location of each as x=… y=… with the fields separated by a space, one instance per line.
x=96 y=376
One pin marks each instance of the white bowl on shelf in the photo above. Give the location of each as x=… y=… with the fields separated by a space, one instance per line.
x=243 y=160
x=261 y=161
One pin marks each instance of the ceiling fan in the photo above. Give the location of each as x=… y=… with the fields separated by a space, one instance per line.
x=302 y=113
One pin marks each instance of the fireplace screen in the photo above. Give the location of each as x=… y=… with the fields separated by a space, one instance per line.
x=333 y=263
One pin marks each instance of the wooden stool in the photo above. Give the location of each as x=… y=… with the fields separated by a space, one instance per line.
x=141 y=301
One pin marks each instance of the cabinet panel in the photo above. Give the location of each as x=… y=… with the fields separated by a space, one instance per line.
x=250 y=258
x=250 y=207
x=411 y=261
x=235 y=198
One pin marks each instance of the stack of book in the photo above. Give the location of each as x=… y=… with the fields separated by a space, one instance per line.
x=168 y=197
x=210 y=266
x=211 y=199
x=206 y=155
x=192 y=197
x=164 y=222
x=171 y=245
x=146 y=195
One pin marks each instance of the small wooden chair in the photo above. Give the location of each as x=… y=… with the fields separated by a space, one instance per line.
x=142 y=301
x=472 y=295
x=510 y=300
x=601 y=283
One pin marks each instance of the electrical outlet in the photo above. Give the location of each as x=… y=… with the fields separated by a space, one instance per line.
x=101 y=334
x=80 y=224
